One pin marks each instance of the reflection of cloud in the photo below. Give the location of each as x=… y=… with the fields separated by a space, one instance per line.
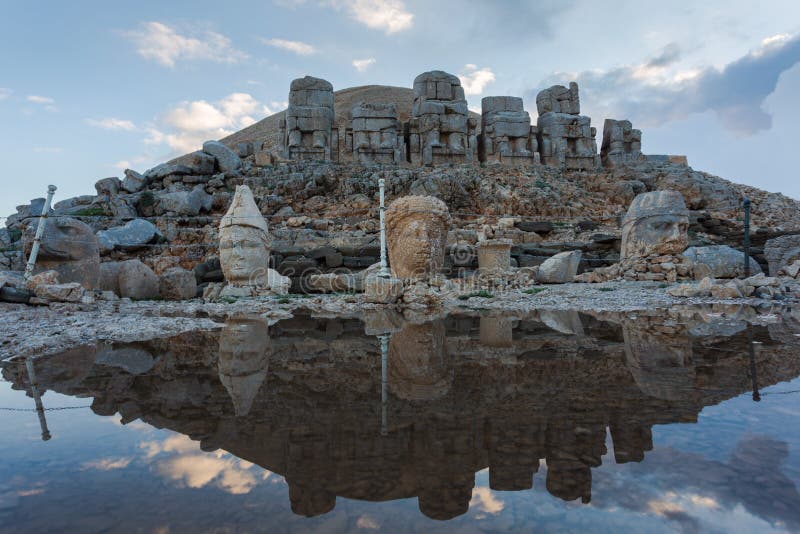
x=107 y=464
x=484 y=500
x=366 y=522
x=30 y=492
x=186 y=464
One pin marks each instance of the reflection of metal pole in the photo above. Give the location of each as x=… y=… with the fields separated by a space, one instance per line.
x=51 y=189
x=384 y=384
x=384 y=270
x=753 y=376
x=746 y=204
x=36 y=398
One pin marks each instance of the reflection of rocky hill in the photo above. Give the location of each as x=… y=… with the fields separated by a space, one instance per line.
x=462 y=394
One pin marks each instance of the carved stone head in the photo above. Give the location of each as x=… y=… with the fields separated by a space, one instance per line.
x=243 y=240
x=416 y=234
x=656 y=223
x=69 y=247
x=243 y=360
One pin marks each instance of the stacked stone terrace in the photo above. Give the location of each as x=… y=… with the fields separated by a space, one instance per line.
x=440 y=130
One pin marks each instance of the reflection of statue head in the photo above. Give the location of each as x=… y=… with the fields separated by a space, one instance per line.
x=416 y=231
x=444 y=503
x=659 y=359
x=656 y=223
x=419 y=368
x=310 y=501
x=243 y=360
x=69 y=247
x=243 y=239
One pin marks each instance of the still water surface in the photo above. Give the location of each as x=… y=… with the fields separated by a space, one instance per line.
x=556 y=421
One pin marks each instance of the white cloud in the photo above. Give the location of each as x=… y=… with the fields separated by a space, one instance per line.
x=475 y=79
x=363 y=64
x=36 y=99
x=188 y=125
x=164 y=45
x=108 y=464
x=297 y=47
x=5 y=92
x=391 y=16
x=110 y=123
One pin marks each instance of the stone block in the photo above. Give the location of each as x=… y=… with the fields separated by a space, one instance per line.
x=379 y=290
x=560 y=269
x=177 y=284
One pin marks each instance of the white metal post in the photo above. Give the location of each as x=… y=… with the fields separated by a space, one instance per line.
x=51 y=189
x=384 y=270
x=37 y=399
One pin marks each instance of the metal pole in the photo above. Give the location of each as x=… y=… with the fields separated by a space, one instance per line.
x=51 y=189
x=37 y=399
x=384 y=385
x=384 y=269
x=746 y=204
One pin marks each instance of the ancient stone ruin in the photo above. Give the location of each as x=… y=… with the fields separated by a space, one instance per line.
x=506 y=133
x=307 y=132
x=566 y=138
x=416 y=229
x=622 y=144
x=375 y=134
x=656 y=223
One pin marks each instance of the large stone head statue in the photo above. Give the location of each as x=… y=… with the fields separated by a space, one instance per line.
x=243 y=360
x=243 y=240
x=69 y=247
x=656 y=223
x=416 y=233
x=419 y=368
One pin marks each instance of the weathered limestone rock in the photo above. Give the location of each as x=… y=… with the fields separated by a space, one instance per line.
x=69 y=247
x=722 y=261
x=243 y=240
x=165 y=169
x=560 y=269
x=375 y=135
x=656 y=223
x=440 y=130
x=227 y=159
x=566 y=138
x=136 y=280
x=184 y=202
x=134 y=235
x=243 y=360
x=419 y=367
x=781 y=251
x=416 y=231
x=307 y=130
x=69 y=292
x=198 y=162
x=133 y=182
x=131 y=360
x=108 y=187
x=379 y=290
x=177 y=284
x=506 y=134
x=494 y=255
x=622 y=144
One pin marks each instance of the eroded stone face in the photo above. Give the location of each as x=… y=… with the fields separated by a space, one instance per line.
x=656 y=223
x=419 y=368
x=416 y=230
x=69 y=247
x=243 y=240
x=243 y=360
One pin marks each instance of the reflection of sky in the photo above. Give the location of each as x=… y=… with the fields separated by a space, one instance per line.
x=735 y=470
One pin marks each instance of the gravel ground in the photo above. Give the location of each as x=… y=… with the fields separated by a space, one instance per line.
x=38 y=330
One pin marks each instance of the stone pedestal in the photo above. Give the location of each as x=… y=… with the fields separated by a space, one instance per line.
x=494 y=255
x=379 y=290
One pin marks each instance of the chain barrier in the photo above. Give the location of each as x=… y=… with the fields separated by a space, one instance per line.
x=60 y=408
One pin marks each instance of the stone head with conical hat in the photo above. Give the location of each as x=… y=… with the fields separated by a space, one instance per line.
x=656 y=223
x=416 y=234
x=243 y=240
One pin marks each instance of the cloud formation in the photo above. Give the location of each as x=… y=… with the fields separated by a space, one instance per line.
x=185 y=127
x=658 y=90
x=390 y=16
x=363 y=64
x=297 y=47
x=111 y=123
x=164 y=45
x=474 y=79
x=5 y=92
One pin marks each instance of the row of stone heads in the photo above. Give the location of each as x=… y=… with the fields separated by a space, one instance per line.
x=441 y=130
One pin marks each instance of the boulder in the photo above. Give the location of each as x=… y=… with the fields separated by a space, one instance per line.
x=185 y=202
x=726 y=291
x=69 y=292
x=781 y=251
x=133 y=182
x=130 y=359
x=68 y=246
x=721 y=260
x=199 y=162
x=226 y=158
x=74 y=204
x=163 y=170
x=132 y=236
x=177 y=284
x=129 y=279
x=560 y=268
x=380 y=290
x=108 y=187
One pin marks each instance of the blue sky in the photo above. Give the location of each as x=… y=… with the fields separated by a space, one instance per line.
x=88 y=88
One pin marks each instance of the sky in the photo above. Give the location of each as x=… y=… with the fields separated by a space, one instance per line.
x=89 y=88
